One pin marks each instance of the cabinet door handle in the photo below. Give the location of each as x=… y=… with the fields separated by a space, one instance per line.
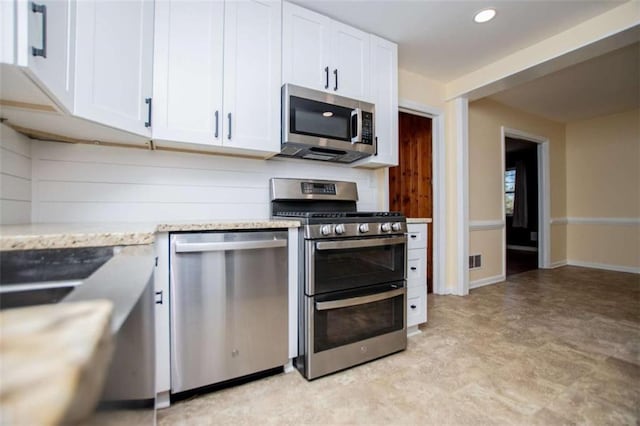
x=413 y=306
x=413 y=236
x=229 y=134
x=335 y=73
x=159 y=298
x=326 y=74
x=413 y=268
x=40 y=8
x=217 y=119
x=148 y=122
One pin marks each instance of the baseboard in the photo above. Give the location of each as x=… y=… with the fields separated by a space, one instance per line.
x=558 y=264
x=486 y=281
x=521 y=248
x=605 y=266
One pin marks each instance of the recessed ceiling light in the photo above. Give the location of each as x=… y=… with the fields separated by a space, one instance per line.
x=484 y=15
x=328 y=114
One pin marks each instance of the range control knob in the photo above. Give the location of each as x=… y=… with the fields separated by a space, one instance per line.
x=363 y=228
x=340 y=229
x=396 y=226
x=325 y=229
x=386 y=227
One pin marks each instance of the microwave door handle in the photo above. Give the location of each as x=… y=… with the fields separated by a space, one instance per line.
x=357 y=115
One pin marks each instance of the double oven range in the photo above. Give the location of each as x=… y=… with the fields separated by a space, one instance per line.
x=352 y=305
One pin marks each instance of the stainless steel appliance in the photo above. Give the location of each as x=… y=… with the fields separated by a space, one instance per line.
x=229 y=304
x=352 y=291
x=323 y=126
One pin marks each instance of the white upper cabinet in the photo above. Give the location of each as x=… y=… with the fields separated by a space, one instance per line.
x=114 y=52
x=306 y=48
x=350 y=73
x=384 y=92
x=252 y=75
x=43 y=45
x=187 y=71
x=324 y=54
x=217 y=74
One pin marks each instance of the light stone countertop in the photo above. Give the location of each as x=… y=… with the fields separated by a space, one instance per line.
x=419 y=220
x=54 y=361
x=61 y=235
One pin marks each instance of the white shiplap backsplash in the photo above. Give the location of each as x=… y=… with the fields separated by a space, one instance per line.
x=15 y=177
x=86 y=183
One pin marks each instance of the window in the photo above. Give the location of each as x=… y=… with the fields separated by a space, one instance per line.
x=509 y=190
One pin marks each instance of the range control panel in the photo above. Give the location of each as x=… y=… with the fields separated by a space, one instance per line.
x=318 y=188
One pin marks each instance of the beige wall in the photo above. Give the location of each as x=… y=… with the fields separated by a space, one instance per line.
x=486 y=118
x=603 y=166
x=603 y=186
x=416 y=88
x=485 y=243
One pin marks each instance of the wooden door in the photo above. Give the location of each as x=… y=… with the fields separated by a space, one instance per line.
x=410 y=189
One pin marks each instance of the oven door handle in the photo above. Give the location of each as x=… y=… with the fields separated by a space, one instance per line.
x=347 y=244
x=355 y=301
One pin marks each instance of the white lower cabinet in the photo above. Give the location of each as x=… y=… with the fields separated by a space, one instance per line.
x=416 y=276
x=416 y=306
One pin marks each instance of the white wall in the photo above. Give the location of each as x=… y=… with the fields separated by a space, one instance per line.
x=15 y=177
x=86 y=183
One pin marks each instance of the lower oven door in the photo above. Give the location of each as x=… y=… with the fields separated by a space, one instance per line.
x=352 y=327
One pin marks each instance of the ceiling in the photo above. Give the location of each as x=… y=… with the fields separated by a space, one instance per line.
x=439 y=40
x=604 y=85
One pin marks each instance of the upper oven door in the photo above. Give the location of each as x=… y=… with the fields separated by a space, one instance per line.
x=335 y=265
x=315 y=118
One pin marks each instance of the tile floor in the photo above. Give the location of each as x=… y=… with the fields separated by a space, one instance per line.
x=545 y=347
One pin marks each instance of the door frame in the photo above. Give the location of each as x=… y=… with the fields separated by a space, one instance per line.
x=544 y=192
x=437 y=166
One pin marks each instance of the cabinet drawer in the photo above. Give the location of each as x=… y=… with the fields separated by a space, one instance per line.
x=416 y=236
x=417 y=266
x=416 y=305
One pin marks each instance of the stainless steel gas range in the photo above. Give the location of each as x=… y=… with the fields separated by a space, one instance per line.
x=352 y=275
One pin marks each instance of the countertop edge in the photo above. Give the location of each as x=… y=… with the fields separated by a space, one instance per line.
x=411 y=220
x=31 y=238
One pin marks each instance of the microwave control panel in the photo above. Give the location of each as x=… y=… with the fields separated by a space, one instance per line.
x=367 y=128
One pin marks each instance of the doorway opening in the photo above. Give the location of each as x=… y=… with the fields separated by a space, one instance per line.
x=410 y=183
x=521 y=205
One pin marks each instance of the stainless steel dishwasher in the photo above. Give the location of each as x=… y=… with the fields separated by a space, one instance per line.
x=229 y=304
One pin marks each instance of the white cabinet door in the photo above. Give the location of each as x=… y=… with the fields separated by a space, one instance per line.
x=306 y=48
x=252 y=40
x=114 y=55
x=384 y=93
x=45 y=35
x=187 y=71
x=7 y=32
x=350 y=70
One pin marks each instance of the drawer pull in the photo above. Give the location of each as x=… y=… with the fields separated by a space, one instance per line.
x=413 y=268
x=413 y=306
x=413 y=236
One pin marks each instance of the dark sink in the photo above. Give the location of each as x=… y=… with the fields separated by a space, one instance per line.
x=34 y=277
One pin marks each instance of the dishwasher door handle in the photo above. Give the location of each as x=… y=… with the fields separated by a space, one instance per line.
x=228 y=246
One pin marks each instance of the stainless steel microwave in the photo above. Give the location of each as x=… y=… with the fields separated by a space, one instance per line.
x=323 y=126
